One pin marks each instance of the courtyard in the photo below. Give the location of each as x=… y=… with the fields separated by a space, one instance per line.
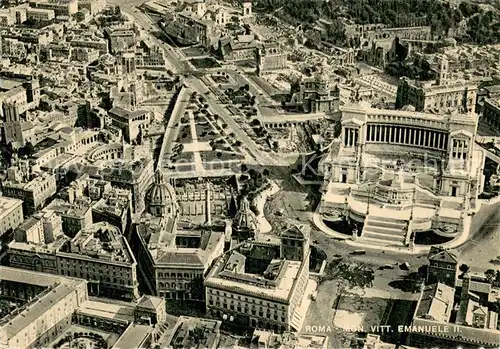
x=77 y=336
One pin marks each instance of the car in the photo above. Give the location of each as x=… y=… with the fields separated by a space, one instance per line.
x=404 y=266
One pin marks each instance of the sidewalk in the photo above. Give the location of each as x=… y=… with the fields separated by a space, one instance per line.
x=260 y=201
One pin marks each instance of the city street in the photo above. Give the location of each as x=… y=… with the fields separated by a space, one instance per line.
x=483 y=247
x=171 y=131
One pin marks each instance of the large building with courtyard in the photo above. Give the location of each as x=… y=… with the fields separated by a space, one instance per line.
x=43 y=306
x=262 y=284
x=174 y=256
x=100 y=254
x=398 y=172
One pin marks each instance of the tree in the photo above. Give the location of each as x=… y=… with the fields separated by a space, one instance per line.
x=139 y=137
x=490 y=275
x=337 y=129
x=7 y=152
x=496 y=282
x=464 y=268
x=27 y=150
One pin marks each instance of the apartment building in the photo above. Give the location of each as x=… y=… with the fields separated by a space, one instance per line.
x=40 y=14
x=262 y=285
x=60 y=8
x=100 y=254
x=33 y=191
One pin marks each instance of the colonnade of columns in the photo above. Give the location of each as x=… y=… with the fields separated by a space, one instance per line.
x=351 y=136
x=407 y=135
x=460 y=149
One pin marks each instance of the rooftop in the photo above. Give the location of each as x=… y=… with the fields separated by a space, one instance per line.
x=122 y=171
x=7 y=205
x=127 y=114
x=276 y=282
x=436 y=302
x=102 y=241
x=106 y=310
x=168 y=245
x=133 y=337
x=32 y=184
x=442 y=255
x=58 y=288
x=77 y=209
x=191 y=332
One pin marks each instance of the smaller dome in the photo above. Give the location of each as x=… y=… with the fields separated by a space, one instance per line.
x=408 y=107
x=161 y=196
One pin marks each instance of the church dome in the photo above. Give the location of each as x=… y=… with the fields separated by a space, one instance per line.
x=160 y=198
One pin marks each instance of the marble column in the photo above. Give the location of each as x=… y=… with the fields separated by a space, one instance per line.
x=400 y=130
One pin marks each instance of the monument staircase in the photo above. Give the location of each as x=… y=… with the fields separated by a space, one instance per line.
x=384 y=230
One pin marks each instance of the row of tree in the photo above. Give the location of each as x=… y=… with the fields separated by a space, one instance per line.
x=7 y=152
x=483 y=26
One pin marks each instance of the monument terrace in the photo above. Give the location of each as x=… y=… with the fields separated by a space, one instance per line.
x=399 y=172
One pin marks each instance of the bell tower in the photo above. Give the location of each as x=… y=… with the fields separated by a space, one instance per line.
x=247 y=8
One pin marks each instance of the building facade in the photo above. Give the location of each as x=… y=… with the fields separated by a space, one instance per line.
x=34 y=192
x=48 y=303
x=99 y=254
x=491 y=113
x=437 y=97
x=130 y=122
x=316 y=96
x=11 y=214
x=443 y=266
x=368 y=170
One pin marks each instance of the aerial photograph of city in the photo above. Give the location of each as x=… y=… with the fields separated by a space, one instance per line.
x=262 y=174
